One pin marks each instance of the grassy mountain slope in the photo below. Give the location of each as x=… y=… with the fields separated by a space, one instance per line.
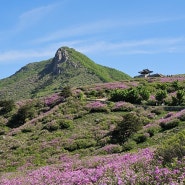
x=42 y=78
x=37 y=132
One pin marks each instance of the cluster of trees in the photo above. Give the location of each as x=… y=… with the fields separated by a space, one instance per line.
x=139 y=94
x=132 y=95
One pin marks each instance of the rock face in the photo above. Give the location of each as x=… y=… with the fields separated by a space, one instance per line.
x=60 y=57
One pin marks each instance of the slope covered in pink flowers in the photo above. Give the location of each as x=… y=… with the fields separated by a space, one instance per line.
x=126 y=132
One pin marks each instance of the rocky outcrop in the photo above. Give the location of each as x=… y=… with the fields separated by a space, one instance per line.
x=60 y=57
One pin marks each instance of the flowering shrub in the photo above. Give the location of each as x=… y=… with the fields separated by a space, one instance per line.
x=182 y=117
x=50 y=100
x=170 y=118
x=113 y=85
x=151 y=101
x=169 y=125
x=97 y=106
x=171 y=79
x=123 y=106
x=110 y=149
x=169 y=114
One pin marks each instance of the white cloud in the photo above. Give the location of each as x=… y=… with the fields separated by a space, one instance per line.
x=102 y=26
x=11 y=56
x=31 y=54
x=78 y=30
x=33 y=16
x=129 y=47
x=146 y=46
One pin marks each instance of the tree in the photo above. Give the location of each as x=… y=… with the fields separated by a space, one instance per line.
x=130 y=124
x=144 y=93
x=25 y=112
x=179 y=99
x=66 y=92
x=118 y=95
x=161 y=95
x=7 y=106
x=133 y=96
x=180 y=96
x=176 y=85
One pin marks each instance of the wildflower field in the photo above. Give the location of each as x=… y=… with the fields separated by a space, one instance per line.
x=129 y=132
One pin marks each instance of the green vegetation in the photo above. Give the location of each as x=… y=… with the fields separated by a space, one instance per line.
x=77 y=121
x=130 y=124
x=132 y=95
x=6 y=106
x=161 y=95
x=25 y=112
x=43 y=78
x=90 y=119
x=173 y=148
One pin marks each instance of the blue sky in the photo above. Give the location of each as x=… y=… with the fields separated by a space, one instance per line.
x=128 y=35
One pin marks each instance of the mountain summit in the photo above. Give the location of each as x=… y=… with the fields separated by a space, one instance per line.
x=60 y=57
x=68 y=67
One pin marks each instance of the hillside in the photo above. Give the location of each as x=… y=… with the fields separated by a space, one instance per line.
x=101 y=133
x=68 y=67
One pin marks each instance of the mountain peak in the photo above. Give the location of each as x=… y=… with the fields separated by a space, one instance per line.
x=67 y=67
x=60 y=56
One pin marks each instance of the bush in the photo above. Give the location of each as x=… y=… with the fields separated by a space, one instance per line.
x=172 y=148
x=176 y=85
x=110 y=149
x=157 y=111
x=161 y=95
x=182 y=117
x=97 y=106
x=129 y=95
x=123 y=106
x=51 y=126
x=152 y=131
x=144 y=93
x=66 y=92
x=24 y=113
x=65 y=124
x=129 y=145
x=179 y=99
x=7 y=106
x=80 y=144
x=145 y=120
x=133 y=96
x=170 y=124
x=118 y=95
x=140 y=138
